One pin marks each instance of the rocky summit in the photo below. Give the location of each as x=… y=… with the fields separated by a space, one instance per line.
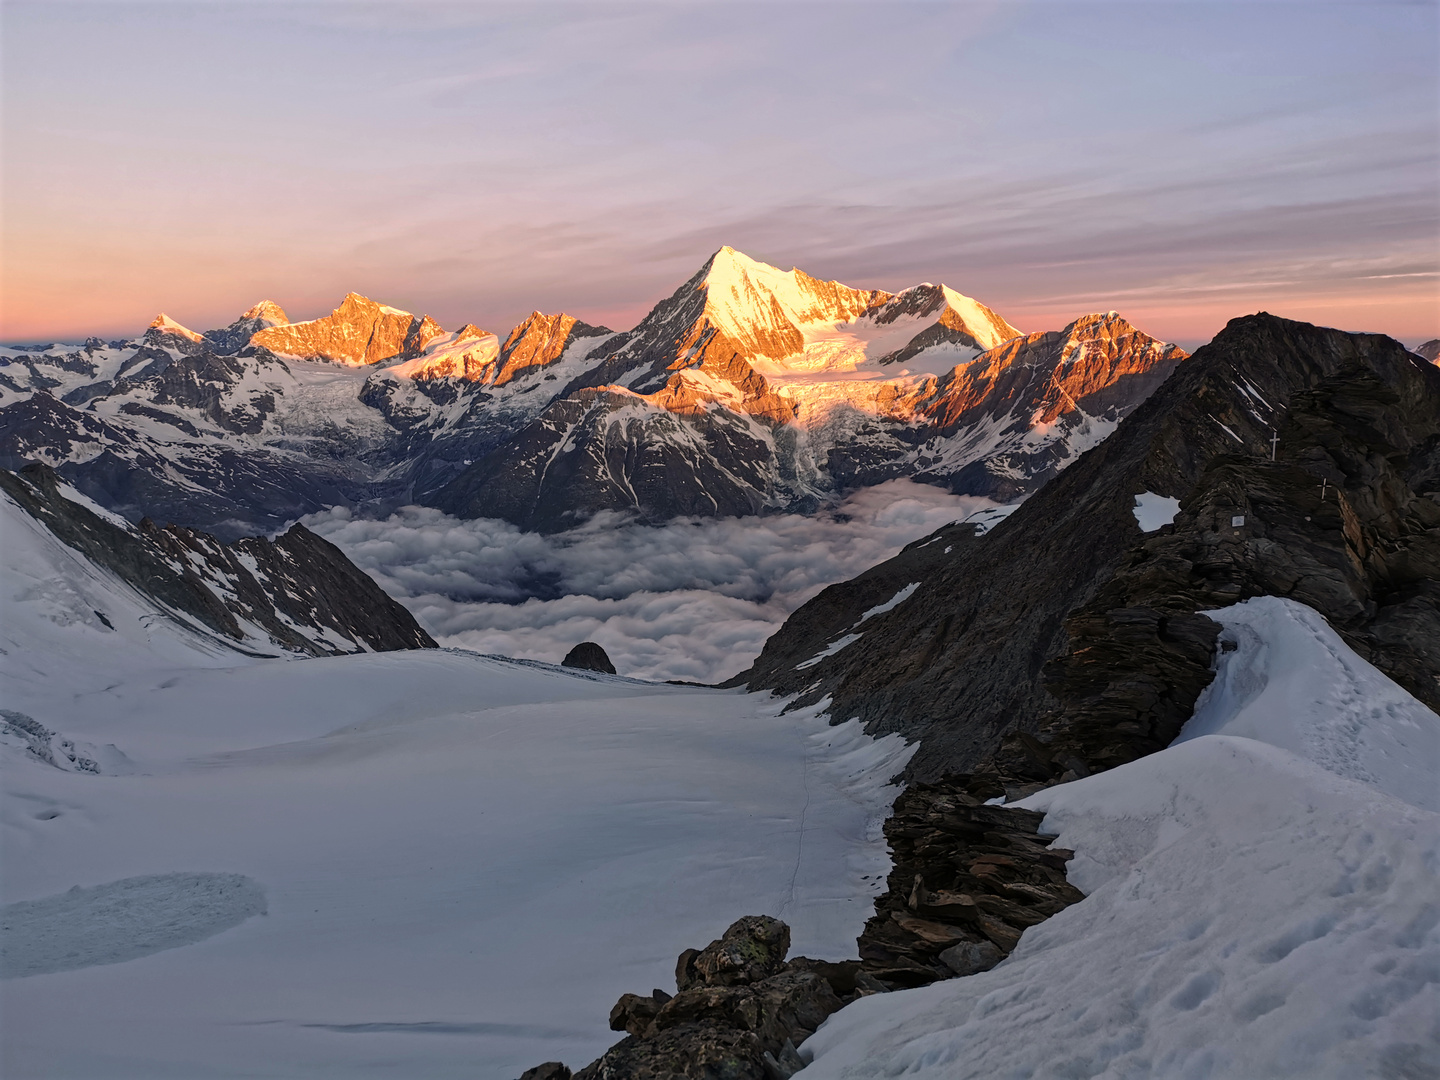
x=750 y=389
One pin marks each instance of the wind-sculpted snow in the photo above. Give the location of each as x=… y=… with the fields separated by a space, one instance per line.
x=694 y=599
x=1250 y=913
x=122 y=920
x=1290 y=681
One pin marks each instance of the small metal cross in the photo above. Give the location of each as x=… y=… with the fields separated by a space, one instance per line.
x=1324 y=486
x=1274 y=442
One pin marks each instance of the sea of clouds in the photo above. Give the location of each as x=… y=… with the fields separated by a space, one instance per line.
x=691 y=599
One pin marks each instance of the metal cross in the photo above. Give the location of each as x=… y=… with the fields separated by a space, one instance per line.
x=1324 y=485
x=1274 y=442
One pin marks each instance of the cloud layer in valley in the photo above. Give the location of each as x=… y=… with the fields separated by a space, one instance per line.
x=692 y=599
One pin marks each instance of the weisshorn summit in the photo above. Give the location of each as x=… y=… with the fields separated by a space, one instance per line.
x=750 y=389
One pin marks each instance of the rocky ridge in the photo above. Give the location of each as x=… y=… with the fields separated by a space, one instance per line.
x=1066 y=636
x=358 y=332
x=298 y=592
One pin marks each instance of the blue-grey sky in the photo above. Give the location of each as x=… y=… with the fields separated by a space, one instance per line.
x=1181 y=162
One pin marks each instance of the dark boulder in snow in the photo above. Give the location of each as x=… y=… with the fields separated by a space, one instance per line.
x=551 y=1070
x=967 y=881
x=588 y=656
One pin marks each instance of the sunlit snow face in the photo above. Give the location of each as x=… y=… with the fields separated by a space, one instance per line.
x=693 y=599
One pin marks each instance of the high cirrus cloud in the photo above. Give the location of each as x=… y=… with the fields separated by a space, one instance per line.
x=692 y=599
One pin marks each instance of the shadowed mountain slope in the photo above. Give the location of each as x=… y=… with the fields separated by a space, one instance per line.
x=298 y=592
x=1069 y=623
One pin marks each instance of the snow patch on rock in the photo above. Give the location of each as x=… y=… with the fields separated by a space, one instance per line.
x=1154 y=512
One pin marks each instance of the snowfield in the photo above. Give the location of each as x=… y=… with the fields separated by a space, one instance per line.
x=1262 y=897
x=438 y=863
x=420 y=864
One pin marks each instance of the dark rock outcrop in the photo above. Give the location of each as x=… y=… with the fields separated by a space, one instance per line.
x=966 y=881
x=738 y=1012
x=1069 y=625
x=588 y=656
x=298 y=592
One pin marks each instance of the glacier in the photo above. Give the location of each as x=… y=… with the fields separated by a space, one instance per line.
x=463 y=859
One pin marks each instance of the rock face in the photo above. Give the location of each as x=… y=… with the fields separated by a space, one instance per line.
x=1430 y=350
x=750 y=389
x=540 y=341
x=1069 y=626
x=357 y=332
x=588 y=656
x=298 y=592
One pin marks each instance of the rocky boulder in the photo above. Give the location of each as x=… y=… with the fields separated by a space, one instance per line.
x=753 y=948
x=739 y=1012
x=588 y=656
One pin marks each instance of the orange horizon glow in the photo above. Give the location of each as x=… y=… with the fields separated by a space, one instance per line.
x=1410 y=313
x=478 y=162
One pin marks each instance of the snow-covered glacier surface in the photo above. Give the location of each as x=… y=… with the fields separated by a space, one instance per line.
x=1262 y=897
x=420 y=864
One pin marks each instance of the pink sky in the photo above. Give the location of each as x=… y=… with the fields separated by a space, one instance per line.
x=1182 y=163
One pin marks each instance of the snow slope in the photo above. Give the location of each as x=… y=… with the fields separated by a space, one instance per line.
x=429 y=863
x=1261 y=897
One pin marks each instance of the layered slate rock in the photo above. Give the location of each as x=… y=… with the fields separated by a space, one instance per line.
x=298 y=592
x=588 y=656
x=966 y=881
x=1069 y=625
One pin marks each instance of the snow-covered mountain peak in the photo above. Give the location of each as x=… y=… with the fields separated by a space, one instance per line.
x=468 y=355
x=767 y=311
x=268 y=313
x=1109 y=334
x=974 y=318
x=163 y=324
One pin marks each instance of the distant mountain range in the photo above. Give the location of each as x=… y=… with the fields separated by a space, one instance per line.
x=749 y=389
